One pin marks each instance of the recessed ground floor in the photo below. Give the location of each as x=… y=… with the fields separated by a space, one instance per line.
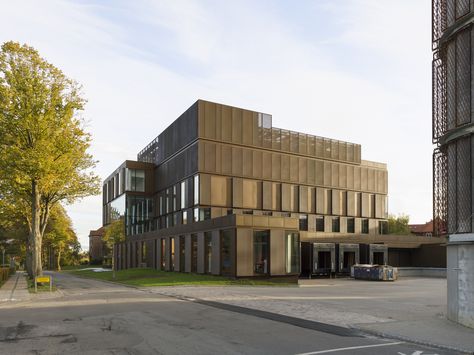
x=264 y=246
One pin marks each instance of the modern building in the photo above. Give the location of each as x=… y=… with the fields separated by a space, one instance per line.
x=97 y=249
x=453 y=128
x=222 y=191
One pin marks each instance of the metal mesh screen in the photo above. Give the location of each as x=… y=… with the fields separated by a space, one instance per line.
x=462 y=7
x=451 y=190
x=439 y=192
x=463 y=177
x=463 y=77
x=439 y=20
x=439 y=97
x=450 y=12
x=451 y=85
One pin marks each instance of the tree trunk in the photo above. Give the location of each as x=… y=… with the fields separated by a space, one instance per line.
x=59 y=259
x=36 y=237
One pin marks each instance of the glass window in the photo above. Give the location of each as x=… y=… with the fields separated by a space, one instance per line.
x=204 y=214
x=196 y=189
x=336 y=225
x=261 y=252
x=365 y=226
x=163 y=253
x=207 y=252
x=303 y=222
x=172 y=254
x=292 y=253
x=182 y=253
x=319 y=224
x=227 y=252
x=183 y=194
x=185 y=217
x=135 y=180
x=350 y=225
x=383 y=227
x=196 y=215
x=175 y=199
x=194 y=254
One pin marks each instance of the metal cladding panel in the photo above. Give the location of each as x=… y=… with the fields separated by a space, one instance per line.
x=462 y=7
x=450 y=11
x=303 y=199
x=209 y=120
x=451 y=193
x=204 y=189
x=226 y=159
x=365 y=205
x=464 y=193
x=334 y=175
x=226 y=124
x=236 y=125
x=342 y=176
x=364 y=179
x=310 y=169
x=285 y=168
x=351 y=203
x=451 y=84
x=247 y=162
x=237 y=192
x=327 y=174
x=350 y=177
x=294 y=169
x=247 y=131
x=286 y=197
x=463 y=77
x=357 y=178
x=276 y=196
x=320 y=200
x=371 y=179
x=319 y=147
x=303 y=143
x=276 y=166
x=244 y=252
x=267 y=165
x=237 y=161
x=302 y=170
x=209 y=157
x=336 y=202
x=220 y=188
x=277 y=252
x=319 y=173
x=267 y=195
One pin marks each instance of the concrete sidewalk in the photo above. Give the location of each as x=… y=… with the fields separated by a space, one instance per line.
x=15 y=289
x=409 y=309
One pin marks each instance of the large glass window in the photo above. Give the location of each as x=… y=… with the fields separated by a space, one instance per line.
x=261 y=252
x=303 y=222
x=139 y=214
x=336 y=225
x=196 y=189
x=292 y=253
x=163 y=253
x=207 y=252
x=185 y=217
x=172 y=268
x=350 y=225
x=135 y=180
x=183 y=194
x=175 y=199
x=319 y=224
x=383 y=227
x=182 y=253
x=194 y=254
x=227 y=252
x=365 y=226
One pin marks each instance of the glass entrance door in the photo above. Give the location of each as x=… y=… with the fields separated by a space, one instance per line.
x=261 y=252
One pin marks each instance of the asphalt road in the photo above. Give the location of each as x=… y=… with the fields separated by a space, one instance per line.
x=93 y=317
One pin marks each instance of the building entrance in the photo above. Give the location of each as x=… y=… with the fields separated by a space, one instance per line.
x=261 y=252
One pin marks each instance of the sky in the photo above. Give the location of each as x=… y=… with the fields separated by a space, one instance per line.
x=353 y=70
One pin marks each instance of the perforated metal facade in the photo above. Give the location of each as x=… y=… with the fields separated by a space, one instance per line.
x=453 y=104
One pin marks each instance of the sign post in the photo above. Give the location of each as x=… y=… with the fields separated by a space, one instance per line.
x=42 y=279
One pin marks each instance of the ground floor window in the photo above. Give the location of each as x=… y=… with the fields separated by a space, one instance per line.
x=208 y=252
x=163 y=253
x=227 y=252
x=336 y=225
x=194 y=254
x=182 y=253
x=365 y=226
x=350 y=225
x=261 y=252
x=172 y=254
x=319 y=224
x=292 y=252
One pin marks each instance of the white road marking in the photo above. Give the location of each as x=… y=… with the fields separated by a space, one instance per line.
x=351 y=348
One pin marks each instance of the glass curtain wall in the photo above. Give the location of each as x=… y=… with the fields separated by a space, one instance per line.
x=207 y=252
x=261 y=252
x=292 y=252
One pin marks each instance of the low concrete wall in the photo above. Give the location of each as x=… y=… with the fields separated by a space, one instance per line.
x=422 y=272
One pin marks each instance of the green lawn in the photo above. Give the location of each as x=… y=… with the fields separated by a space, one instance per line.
x=151 y=277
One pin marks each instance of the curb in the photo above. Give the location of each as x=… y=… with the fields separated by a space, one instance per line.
x=412 y=340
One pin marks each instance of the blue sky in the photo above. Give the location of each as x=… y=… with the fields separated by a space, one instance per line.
x=354 y=70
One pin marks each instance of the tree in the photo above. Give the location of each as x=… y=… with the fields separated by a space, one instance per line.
x=43 y=143
x=60 y=236
x=398 y=224
x=114 y=233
